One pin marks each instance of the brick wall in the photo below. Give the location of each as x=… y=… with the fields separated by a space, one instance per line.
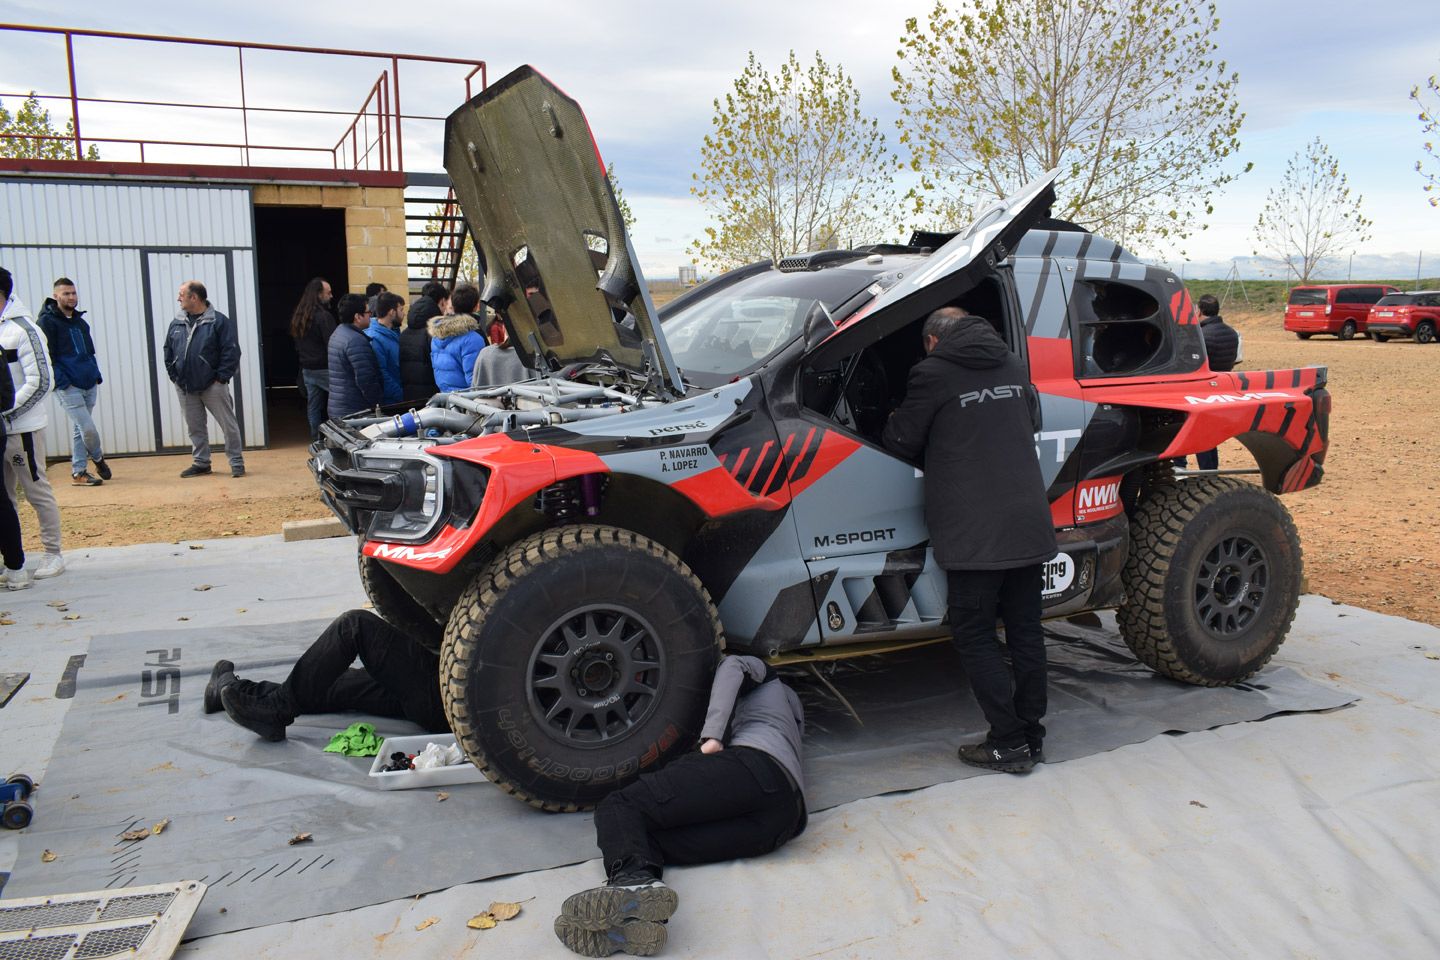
x=374 y=227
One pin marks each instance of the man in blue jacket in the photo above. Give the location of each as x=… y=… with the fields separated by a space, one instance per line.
x=355 y=382
x=384 y=334
x=202 y=356
x=77 y=379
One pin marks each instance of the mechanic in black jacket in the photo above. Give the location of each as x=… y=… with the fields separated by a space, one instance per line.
x=417 y=376
x=971 y=411
x=1222 y=346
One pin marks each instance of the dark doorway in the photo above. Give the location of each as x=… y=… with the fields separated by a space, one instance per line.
x=292 y=244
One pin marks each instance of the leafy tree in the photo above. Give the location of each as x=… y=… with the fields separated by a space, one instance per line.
x=1428 y=100
x=791 y=164
x=620 y=198
x=1127 y=97
x=31 y=122
x=1311 y=215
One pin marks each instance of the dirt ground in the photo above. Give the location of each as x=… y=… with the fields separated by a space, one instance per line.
x=1370 y=531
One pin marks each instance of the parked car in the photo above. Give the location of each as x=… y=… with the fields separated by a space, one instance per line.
x=1341 y=309
x=581 y=546
x=1406 y=315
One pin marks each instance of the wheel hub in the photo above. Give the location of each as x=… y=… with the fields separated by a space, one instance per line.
x=595 y=675
x=1231 y=586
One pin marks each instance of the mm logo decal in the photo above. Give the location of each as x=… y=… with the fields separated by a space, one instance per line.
x=392 y=551
x=1097 y=499
x=1238 y=397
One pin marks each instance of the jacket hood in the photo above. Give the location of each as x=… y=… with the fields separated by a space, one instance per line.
x=209 y=314
x=453 y=325
x=377 y=328
x=974 y=344
x=421 y=311
x=14 y=307
x=51 y=308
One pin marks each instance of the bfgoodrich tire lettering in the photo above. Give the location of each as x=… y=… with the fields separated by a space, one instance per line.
x=1212 y=580
x=397 y=607
x=577 y=659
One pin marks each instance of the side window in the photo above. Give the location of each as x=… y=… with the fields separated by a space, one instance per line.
x=1371 y=294
x=1351 y=295
x=1120 y=329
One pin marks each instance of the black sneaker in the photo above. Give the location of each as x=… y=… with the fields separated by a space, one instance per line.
x=195 y=470
x=237 y=472
x=1037 y=752
x=221 y=676
x=262 y=711
x=103 y=468
x=624 y=898
x=638 y=938
x=83 y=479
x=992 y=756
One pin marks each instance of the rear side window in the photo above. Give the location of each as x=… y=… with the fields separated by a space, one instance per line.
x=1394 y=300
x=1430 y=300
x=1359 y=294
x=1309 y=297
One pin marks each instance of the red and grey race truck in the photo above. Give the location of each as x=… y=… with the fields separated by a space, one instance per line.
x=579 y=547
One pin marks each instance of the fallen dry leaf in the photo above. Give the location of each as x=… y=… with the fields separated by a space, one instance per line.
x=6 y=622
x=1197 y=803
x=481 y=921
x=159 y=828
x=441 y=796
x=502 y=910
x=71 y=616
x=239 y=609
x=300 y=838
x=1432 y=656
x=427 y=922
x=182 y=618
x=197 y=546
x=203 y=587
x=58 y=603
x=229 y=819
x=48 y=856
x=140 y=834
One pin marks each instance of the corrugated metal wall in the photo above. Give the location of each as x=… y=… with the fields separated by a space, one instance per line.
x=110 y=239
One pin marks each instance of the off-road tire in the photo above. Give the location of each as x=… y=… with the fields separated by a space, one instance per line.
x=1425 y=332
x=1347 y=330
x=1303 y=336
x=397 y=607
x=1182 y=537
x=518 y=619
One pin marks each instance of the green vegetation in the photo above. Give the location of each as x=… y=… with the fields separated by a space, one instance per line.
x=32 y=134
x=1268 y=295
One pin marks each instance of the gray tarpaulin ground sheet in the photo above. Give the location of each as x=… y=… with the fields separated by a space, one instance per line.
x=136 y=748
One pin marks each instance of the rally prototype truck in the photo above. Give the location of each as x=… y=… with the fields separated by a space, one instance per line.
x=581 y=546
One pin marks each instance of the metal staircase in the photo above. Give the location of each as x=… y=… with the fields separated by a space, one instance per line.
x=434 y=234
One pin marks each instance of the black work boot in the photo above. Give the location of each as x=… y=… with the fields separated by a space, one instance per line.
x=638 y=938
x=992 y=756
x=266 y=712
x=221 y=677
x=633 y=892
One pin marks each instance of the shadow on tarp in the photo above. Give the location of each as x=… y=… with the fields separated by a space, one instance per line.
x=136 y=748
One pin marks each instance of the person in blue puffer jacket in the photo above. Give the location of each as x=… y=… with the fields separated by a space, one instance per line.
x=384 y=334
x=355 y=382
x=456 y=341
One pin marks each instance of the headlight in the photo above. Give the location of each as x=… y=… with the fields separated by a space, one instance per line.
x=414 y=497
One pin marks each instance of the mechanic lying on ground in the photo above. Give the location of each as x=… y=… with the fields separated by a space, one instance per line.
x=399 y=679
x=740 y=795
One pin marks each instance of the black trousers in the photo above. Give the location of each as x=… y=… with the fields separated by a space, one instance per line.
x=399 y=679
x=701 y=808
x=1013 y=704
x=1208 y=459
x=11 y=547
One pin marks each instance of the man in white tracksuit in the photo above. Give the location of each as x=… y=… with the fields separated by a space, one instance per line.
x=29 y=358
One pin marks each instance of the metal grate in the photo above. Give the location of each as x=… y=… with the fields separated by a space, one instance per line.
x=146 y=905
x=107 y=943
x=47 y=915
x=37 y=948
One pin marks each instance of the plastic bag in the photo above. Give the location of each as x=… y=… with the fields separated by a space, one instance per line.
x=435 y=756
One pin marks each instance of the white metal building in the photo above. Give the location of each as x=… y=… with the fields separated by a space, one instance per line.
x=128 y=247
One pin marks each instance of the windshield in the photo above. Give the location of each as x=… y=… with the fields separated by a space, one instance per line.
x=1309 y=296
x=1395 y=300
x=734 y=330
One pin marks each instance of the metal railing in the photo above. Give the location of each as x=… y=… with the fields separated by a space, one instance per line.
x=373 y=140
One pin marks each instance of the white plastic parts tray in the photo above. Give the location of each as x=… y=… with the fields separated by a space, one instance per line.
x=413 y=779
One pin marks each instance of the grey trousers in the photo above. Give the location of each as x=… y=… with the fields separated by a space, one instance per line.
x=217 y=401
x=25 y=465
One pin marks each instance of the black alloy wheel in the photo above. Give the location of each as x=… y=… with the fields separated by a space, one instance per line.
x=1230 y=586
x=1425 y=332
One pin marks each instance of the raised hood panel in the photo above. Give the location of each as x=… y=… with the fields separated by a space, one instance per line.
x=558 y=263
x=948 y=273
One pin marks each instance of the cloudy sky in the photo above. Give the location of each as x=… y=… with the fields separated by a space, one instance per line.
x=647 y=73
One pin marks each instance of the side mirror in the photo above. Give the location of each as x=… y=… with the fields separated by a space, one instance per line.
x=818 y=325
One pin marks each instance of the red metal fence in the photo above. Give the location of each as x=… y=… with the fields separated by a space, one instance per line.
x=373 y=141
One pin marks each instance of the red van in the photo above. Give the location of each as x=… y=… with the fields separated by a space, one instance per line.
x=1338 y=308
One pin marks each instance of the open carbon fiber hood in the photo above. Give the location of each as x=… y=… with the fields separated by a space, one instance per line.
x=558 y=263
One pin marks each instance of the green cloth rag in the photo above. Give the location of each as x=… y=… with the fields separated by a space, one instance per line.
x=356 y=740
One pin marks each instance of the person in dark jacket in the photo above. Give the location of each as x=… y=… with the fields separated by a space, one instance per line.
x=310 y=326
x=971 y=412
x=1222 y=346
x=384 y=334
x=456 y=341
x=417 y=377
x=355 y=382
x=397 y=678
x=202 y=356
x=77 y=379
x=742 y=794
